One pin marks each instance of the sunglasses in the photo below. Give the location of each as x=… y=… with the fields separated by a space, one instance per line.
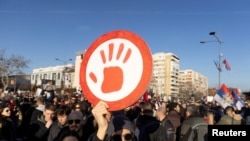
x=127 y=137
x=76 y=121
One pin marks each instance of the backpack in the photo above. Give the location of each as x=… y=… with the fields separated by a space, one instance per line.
x=198 y=132
x=171 y=131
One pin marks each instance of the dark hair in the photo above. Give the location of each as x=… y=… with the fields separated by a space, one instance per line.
x=148 y=108
x=204 y=110
x=3 y=105
x=50 y=106
x=228 y=108
x=63 y=110
x=68 y=133
x=133 y=113
x=84 y=107
x=172 y=105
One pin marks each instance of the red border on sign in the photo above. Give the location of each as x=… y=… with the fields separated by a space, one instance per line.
x=146 y=74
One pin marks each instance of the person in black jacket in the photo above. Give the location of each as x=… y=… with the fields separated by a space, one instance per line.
x=161 y=115
x=62 y=113
x=39 y=129
x=7 y=126
x=149 y=127
x=39 y=108
x=76 y=123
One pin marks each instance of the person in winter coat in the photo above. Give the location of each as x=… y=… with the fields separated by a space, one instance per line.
x=194 y=121
x=7 y=126
x=230 y=117
x=150 y=129
x=62 y=113
x=162 y=117
x=39 y=108
x=39 y=129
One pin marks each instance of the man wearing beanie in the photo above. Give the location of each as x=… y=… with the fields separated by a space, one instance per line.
x=76 y=124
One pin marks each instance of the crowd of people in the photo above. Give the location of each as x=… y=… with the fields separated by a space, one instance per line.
x=70 y=117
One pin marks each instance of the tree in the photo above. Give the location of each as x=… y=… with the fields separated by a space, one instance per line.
x=11 y=65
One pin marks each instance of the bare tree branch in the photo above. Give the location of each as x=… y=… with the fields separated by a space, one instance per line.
x=11 y=65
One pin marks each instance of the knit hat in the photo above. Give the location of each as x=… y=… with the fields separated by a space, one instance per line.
x=118 y=122
x=75 y=115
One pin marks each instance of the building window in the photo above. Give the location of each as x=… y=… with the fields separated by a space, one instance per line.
x=44 y=76
x=41 y=76
x=58 y=76
x=53 y=76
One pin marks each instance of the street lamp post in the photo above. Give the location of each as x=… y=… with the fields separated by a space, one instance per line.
x=219 y=55
x=64 y=63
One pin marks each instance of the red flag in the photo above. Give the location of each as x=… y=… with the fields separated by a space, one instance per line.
x=225 y=90
x=145 y=97
x=225 y=62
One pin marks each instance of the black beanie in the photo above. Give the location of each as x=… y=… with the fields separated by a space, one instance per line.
x=120 y=121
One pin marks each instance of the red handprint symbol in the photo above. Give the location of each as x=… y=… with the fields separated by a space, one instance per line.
x=113 y=75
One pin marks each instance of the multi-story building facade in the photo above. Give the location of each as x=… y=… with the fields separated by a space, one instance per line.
x=62 y=76
x=192 y=84
x=78 y=61
x=165 y=75
x=167 y=80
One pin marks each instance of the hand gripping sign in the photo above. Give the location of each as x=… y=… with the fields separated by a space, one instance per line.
x=117 y=69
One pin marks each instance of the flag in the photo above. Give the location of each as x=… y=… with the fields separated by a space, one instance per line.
x=224 y=96
x=145 y=97
x=237 y=91
x=217 y=66
x=239 y=103
x=227 y=65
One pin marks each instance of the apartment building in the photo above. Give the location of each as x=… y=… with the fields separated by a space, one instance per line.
x=192 y=84
x=164 y=82
x=78 y=61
